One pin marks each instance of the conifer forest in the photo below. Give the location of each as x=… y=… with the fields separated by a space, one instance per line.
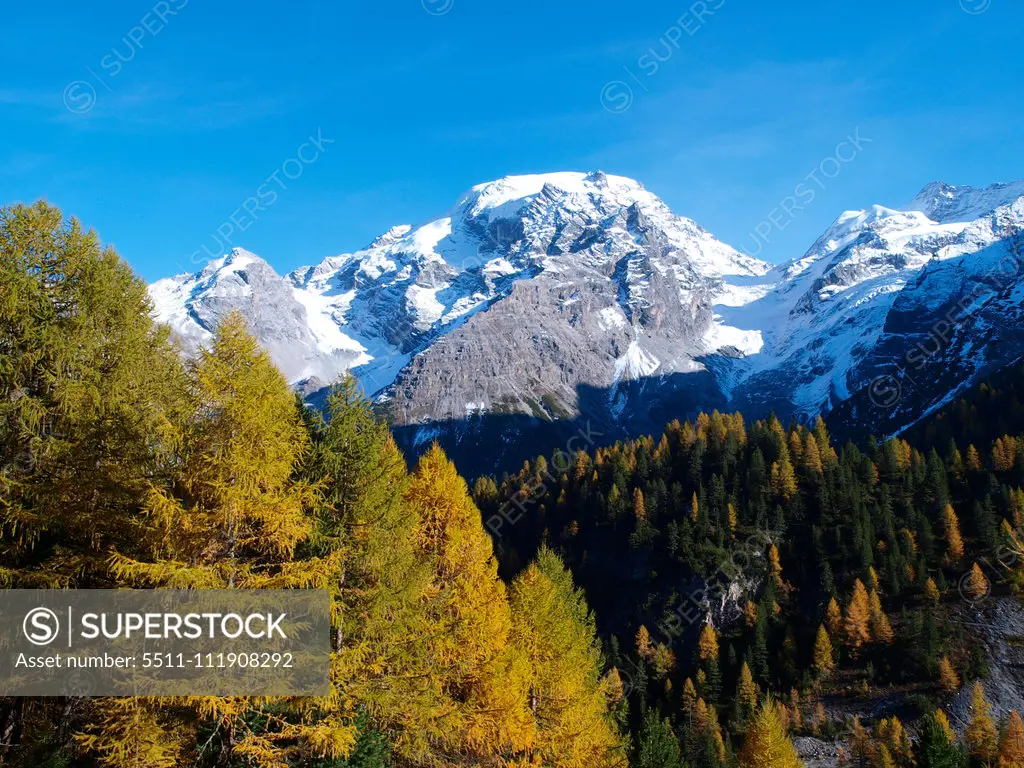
x=725 y=593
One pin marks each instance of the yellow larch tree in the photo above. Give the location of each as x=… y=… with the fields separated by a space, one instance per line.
x=943 y=720
x=382 y=636
x=128 y=732
x=873 y=583
x=892 y=735
x=1011 y=742
x=976 y=586
x=824 y=662
x=233 y=518
x=706 y=727
x=1017 y=505
x=796 y=717
x=783 y=479
x=644 y=647
x=833 y=618
x=949 y=681
x=707 y=644
x=766 y=744
x=746 y=691
x=796 y=446
x=812 y=456
x=569 y=703
x=639 y=508
x=235 y=513
x=689 y=697
x=981 y=735
x=857 y=622
x=951 y=530
x=973 y=459
x=89 y=385
x=476 y=666
x=663 y=662
x=750 y=613
x=700 y=714
x=1004 y=453
x=775 y=565
x=862 y=749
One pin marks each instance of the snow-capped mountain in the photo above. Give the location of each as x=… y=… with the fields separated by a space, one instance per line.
x=553 y=296
x=541 y=283
x=881 y=294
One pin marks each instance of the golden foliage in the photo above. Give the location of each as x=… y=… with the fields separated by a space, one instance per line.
x=951 y=530
x=976 y=586
x=707 y=644
x=981 y=735
x=1011 y=743
x=746 y=690
x=833 y=618
x=766 y=744
x=949 y=681
x=475 y=662
x=568 y=700
x=824 y=663
x=856 y=623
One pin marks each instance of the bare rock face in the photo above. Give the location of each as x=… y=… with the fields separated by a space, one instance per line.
x=527 y=290
x=997 y=623
x=613 y=298
x=571 y=297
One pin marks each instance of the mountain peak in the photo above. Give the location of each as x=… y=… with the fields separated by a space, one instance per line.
x=947 y=204
x=517 y=190
x=235 y=260
x=392 y=236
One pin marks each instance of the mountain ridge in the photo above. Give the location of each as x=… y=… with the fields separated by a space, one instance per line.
x=529 y=287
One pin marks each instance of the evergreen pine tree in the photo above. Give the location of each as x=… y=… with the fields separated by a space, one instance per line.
x=658 y=747
x=936 y=747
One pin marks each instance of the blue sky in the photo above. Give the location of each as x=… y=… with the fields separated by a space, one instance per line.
x=153 y=123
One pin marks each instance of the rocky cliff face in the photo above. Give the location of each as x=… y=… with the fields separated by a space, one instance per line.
x=542 y=299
